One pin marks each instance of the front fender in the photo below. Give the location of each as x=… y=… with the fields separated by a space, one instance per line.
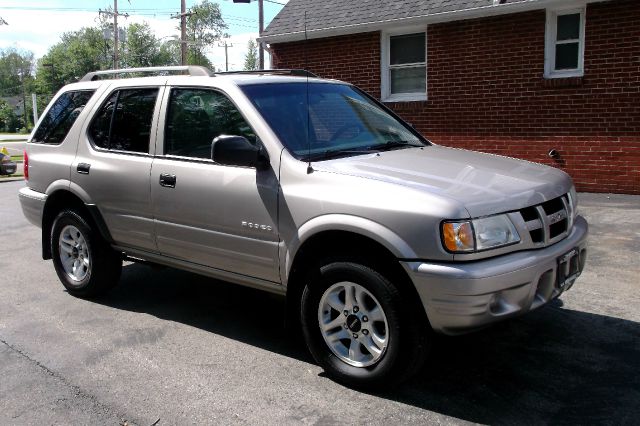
x=342 y=222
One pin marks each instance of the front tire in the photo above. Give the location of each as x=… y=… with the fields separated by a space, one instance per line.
x=359 y=327
x=86 y=265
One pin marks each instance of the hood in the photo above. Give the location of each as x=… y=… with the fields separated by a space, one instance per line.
x=484 y=183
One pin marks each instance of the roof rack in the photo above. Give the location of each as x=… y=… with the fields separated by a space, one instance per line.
x=193 y=70
x=293 y=72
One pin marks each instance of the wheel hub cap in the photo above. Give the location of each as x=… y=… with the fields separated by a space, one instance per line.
x=74 y=253
x=353 y=324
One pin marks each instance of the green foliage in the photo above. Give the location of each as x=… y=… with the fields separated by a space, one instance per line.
x=16 y=79
x=86 y=50
x=251 y=58
x=143 y=49
x=78 y=53
x=9 y=121
x=205 y=26
x=16 y=68
x=197 y=57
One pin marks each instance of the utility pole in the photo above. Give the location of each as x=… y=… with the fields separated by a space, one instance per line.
x=261 y=29
x=226 y=54
x=115 y=15
x=34 y=105
x=115 y=34
x=54 y=79
x=183 y=30
x=24 y=104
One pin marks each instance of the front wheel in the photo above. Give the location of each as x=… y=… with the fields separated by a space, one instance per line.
x=84 y=262
x=359 y=328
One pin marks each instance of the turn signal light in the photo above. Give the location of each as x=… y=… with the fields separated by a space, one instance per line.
x=458 y=236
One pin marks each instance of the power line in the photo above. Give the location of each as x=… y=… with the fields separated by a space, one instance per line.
x=124 y=12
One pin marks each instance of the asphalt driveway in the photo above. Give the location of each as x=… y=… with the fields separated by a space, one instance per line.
x=175 y=347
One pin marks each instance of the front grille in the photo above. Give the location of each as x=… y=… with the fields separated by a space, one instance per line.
x=550 y=221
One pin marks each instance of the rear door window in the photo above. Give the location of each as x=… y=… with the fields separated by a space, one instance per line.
x=63 y=113
x=123 y=123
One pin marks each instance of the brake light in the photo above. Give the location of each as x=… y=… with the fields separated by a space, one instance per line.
x=26 y=165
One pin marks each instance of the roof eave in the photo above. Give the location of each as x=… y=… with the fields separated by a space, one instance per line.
x=457 y=15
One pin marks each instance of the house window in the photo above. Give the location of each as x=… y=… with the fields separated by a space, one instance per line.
x=404 y=67
x=565 y=43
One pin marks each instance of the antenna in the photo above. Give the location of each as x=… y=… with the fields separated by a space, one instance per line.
x=306 y=67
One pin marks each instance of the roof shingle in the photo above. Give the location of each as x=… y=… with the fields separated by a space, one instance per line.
x=326 y=14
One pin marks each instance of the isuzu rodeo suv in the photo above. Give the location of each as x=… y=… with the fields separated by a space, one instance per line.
x=305 y=187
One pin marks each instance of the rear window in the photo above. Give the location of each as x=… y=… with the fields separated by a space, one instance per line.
x=61 y=116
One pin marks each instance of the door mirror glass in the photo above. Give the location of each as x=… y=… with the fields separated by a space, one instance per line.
x=238 y=151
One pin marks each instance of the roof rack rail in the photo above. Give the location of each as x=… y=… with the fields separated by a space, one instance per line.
x=294 y=72
x=193 y=70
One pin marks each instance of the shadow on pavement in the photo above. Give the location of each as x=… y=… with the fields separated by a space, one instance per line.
x=552 y=366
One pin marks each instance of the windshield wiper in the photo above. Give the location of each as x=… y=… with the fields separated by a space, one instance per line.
x=396 y=144
x=336 y=153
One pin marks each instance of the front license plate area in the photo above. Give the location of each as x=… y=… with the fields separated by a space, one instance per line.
x=568 y=268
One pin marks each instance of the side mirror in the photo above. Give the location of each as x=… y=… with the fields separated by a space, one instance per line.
x=238 y=151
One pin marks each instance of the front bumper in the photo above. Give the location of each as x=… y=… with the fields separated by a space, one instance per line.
x=32 y=203
x=462 y=296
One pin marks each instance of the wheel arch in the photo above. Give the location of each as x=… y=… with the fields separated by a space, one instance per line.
x=349 y=225
x=61 y=198
x=354 y=245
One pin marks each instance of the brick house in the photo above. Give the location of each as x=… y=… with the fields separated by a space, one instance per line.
x=512 y=77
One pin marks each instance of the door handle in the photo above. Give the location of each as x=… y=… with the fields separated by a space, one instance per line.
x=168 y=180
x=83 y=168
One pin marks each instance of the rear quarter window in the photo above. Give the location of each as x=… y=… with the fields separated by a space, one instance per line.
x=63 y=113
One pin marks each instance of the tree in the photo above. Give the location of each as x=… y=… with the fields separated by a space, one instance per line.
x=205 y=26
x=86 y=50
x=16 y=68
x=16 y=78
x=251 y=58
x=77 y=53
x=143 y=49
x=9 y=121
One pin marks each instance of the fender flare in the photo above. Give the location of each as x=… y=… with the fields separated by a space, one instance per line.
x=65 y=186
x=348 y=223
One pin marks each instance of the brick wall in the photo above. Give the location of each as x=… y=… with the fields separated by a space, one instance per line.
x=486 y=90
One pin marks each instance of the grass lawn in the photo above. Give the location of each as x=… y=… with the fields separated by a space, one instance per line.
x=17 y=158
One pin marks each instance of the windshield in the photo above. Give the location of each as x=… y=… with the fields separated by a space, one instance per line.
x=340 y=120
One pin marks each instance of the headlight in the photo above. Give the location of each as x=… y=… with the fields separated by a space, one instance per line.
x=572 y=198
x=479 y=234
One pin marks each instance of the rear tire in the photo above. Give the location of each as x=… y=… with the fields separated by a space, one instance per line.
x=360 y=328
x=86 y=265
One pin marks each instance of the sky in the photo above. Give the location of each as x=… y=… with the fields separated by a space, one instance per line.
x=37 y=25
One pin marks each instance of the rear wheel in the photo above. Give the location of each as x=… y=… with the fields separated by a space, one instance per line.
x=359 y=328
x=86 y=265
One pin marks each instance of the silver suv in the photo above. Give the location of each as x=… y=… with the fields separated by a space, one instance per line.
x=304 y=187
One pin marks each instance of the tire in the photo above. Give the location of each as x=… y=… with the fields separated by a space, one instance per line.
x=377 y=341
x=86 y=265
